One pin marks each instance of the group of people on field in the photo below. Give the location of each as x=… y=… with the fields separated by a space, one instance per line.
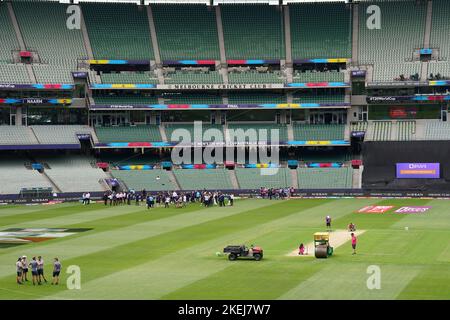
x=36 y=265
x=276 y=193
x=351 y=228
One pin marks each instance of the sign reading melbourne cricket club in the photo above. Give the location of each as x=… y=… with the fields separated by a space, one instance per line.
x=418 y=171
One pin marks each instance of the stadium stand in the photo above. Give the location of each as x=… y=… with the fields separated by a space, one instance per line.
x=192 y=98
x=60 y=134
x=263 y=132
x=134 y=99
x=139 y=133
x=324 y=178
x=323 y=98
x=118 y=31
x=406 y=130
x=186 y=31
x=439 y=37
x=130 y=77
x=11 y=135
x=316 y=35
x=318 y=76
x=156 y=180
x=437 y=130
x=74 y=173
x=358 y=126
x=44 y=30
x=210 y=179
x=318 y=132
x=380 y=130
x=171 y=127
x=250 y=178
x=181 y=77
x=253 y=31
x=390 y=47
x=9 y=72
x=256 y=77
x=260 y=98
x=14 y=175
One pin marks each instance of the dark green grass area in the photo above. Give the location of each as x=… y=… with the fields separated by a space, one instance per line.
x=134 y=253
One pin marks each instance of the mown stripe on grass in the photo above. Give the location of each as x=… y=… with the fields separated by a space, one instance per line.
x=349 y=281
x=98 y=241
x=175 y=259
x=180 y=267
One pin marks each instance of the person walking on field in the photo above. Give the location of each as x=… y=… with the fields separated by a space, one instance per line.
x=56 y=271
x=354 y=241
x=19 y=270
x=328 y=223
x=40 y=270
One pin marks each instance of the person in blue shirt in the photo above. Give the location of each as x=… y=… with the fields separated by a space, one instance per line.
x=56 y=271
x=34 y=271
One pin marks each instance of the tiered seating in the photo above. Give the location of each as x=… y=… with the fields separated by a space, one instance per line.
x=381 y=130
x=403 y=28
x=318 y=132
x=435 y=130
x=74 y=173
x=126 y=100
x=13 y=73
x=260 y=98
x=192 y=99
x=307 y=98
x=321 y=30
x=140 y=133
x=249 y=178
x=263 y=132
x=256 y=77
x=118 y=31
x=9 y=41
x=130 y=77
x=358 y=126
x=318 y=76
x=186 y=31
x=44 y=29
x=439 y=37
x=210 y=179
x=14 y=175
x=406 y=130
x=9 y=73
x=324 y=178
x=170 y=129
x=253 y=32
x=60 y=134
x=324 y=156
x=151 y=180
x=11 y=135
x=181 y=77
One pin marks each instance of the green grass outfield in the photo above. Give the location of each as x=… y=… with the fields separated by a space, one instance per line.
x=132 y=253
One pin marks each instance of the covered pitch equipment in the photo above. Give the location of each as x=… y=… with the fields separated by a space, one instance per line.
x=322 y=248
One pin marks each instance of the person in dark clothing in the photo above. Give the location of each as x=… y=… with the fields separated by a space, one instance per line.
x=105 y=198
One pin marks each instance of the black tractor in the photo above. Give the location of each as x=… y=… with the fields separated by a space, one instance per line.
x=242 y=251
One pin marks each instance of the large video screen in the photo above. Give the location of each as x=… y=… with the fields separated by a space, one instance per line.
x=418 y=170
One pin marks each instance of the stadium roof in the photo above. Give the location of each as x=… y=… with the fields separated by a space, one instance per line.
x=207 y=2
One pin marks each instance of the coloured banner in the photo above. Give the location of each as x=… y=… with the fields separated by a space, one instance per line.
x=418 y=171
x=413 y=209
x=375 y=209
x=221 y=106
